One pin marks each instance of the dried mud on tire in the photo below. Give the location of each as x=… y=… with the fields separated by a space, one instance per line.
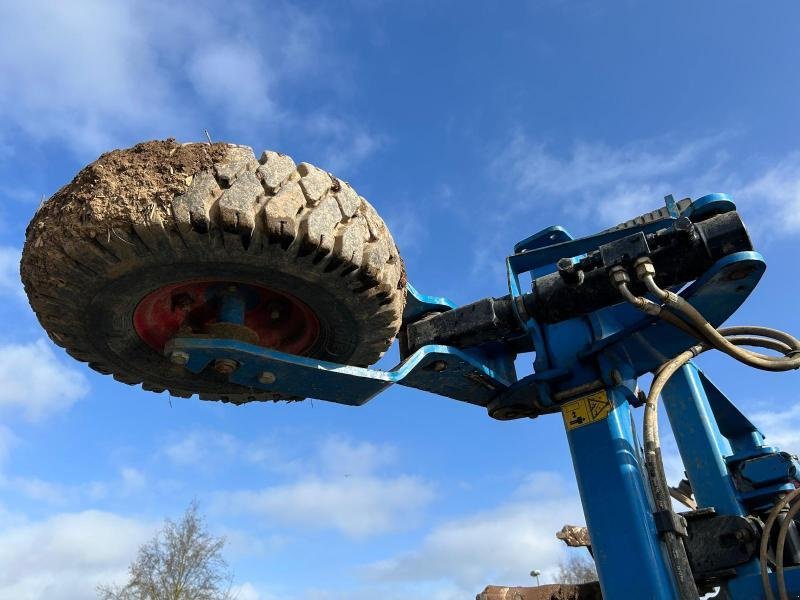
x=162 y=212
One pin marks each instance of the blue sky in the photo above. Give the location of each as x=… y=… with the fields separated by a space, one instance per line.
x=469 y=126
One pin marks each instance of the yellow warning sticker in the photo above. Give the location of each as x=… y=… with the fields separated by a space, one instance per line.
x=589 y=409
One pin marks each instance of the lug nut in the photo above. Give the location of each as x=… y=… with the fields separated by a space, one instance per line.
x=179 y=358
x=267 y=377
x=225 y=366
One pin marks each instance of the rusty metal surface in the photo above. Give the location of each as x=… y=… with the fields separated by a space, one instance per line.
x=583 y=591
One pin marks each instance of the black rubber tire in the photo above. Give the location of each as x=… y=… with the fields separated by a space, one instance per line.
x=89 y=258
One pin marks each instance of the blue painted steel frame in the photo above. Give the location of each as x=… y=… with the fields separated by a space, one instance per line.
x=606 y=455
x=606 y=350
x=609 y=468
x=711 y=433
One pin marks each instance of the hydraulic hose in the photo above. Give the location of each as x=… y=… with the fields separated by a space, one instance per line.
x=779 y=546
x=763 y=552
x=727 y=340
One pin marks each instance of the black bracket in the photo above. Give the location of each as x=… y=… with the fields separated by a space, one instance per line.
x=668 y=521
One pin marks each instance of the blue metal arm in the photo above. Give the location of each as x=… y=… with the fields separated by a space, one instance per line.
x=586 y=368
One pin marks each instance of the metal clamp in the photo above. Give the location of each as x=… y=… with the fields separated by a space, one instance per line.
x=669 y=521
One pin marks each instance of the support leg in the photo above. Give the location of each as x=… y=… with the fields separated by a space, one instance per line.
x=612 y=482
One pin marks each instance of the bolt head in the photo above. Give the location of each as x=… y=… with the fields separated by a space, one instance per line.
x=267 y=377
x=439 y=366
x=179 y=358
x=225 y=366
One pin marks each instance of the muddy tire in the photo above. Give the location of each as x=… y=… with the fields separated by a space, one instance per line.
x=160 y=213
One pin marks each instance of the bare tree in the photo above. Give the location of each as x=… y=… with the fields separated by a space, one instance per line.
x=576 y=568
x=182 y=562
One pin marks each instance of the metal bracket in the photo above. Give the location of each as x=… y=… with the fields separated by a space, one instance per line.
x=442 y=370
x=669 y=521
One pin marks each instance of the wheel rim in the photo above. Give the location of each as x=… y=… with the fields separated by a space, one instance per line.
x=272 y=319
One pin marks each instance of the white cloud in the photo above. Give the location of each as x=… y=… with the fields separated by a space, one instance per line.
x=128 y=70
x=498 y=546
x=340 y=489
x=129 y=482
x=780 y=427
x=93 y=57
x=10 y=283
x=358 y=506
x=67 y=555
x=340 y=456
x=35 y=383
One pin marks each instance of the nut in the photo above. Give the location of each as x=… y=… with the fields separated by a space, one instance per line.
x=225 y=366
x=619 y=275
x=644 y=266
x=267 y=377
x=179 y=358
x=439 y=366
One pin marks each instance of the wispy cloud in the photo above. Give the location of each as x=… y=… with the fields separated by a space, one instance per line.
x=129 y=481
x=592 y=179
x=592 y=185
x=774 y=196
x=198 y=447
x=604 y=184
x=587 y=166
x=340 y=142
x=343 y=488
x=208 y=450
x=781 y=427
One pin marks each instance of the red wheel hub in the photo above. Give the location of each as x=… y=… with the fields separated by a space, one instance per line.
x=279 y=320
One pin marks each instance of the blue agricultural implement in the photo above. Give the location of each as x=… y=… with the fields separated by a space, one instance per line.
x=597 y=312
